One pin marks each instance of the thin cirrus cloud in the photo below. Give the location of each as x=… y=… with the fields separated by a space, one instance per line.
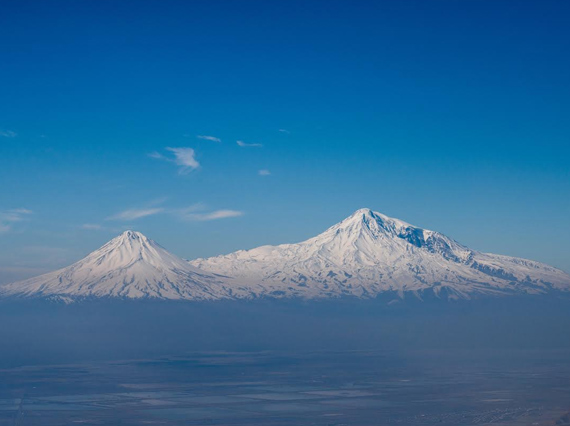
x=132 y=214
x=213 y=215
x=195 y=212
x=198 y=212
x=248 y=145
x=185 y=158
x=209 y=138
x=284 y=131
x=9 y=217
x=8 y=134
x=264 y=172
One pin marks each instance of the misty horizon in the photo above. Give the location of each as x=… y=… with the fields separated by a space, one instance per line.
x=285 y=213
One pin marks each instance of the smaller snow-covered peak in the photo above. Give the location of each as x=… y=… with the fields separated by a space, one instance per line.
x=130 y=246
x=131 y=235
x=132 y=239
x=129 y=266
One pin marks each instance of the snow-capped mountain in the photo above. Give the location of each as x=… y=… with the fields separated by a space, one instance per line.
x=369 y=253
x=128 y=266
x=364 y=255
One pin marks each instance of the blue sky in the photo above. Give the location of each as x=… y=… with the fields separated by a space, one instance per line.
x=450 y=115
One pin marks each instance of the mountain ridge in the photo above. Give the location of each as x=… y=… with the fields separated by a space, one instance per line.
x=365 y=255
x=369 y=253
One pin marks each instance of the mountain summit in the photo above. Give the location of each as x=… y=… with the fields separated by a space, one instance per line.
x=369 y=253
x=364 y=255
x=128 y=266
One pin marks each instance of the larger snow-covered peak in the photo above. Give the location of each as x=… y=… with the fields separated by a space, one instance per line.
x=363 y=221
x=366 y=254
x=367 y=235
x=366 y=222
x=370 y=219
x=369 y=253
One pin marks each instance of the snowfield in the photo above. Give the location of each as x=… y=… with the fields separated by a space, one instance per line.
x=363 y=256
x=128 y=266
x=369 y=253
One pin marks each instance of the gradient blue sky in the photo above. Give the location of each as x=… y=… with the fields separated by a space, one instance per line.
x=451 y=115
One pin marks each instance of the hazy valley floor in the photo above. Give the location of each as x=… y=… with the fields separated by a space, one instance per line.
x=274 y=388
x=504 y=362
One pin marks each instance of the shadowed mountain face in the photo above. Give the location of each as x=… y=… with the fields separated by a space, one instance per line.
x=365 y=255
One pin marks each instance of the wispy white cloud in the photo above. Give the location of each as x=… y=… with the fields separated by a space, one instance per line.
x=284 y=131
x=198 y=212
x=249 y=145
x=9 y=217
x=157 y=155
x=132 y=214
x=209 y=138
x=264 y=172
x=214 y=215
x=183 y=212
x=20 y=211
x=183 y=157
x=194 y=212
x=8 y=134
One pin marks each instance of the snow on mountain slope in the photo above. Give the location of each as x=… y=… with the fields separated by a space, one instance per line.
x=364 y=255
x=129 y=266
x=369 y=253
